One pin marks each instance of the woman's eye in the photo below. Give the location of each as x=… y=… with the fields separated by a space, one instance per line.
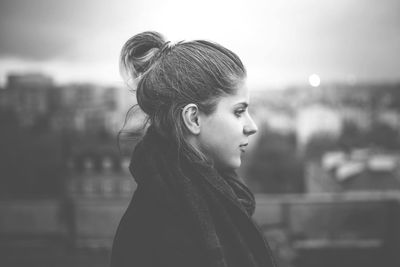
x=239 y=112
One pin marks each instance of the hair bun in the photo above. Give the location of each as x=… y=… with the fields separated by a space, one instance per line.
x=138 y=53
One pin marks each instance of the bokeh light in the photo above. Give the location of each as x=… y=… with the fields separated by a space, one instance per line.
x=314 y=80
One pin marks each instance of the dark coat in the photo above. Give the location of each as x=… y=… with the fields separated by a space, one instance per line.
x=151 y=234
x=159 y=230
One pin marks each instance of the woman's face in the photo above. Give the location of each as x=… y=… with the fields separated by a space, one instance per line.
x=224 y=134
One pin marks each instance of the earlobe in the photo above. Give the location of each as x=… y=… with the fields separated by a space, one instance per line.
x=190 y=116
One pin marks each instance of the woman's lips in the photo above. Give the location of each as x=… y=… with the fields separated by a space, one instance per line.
x=243 y=147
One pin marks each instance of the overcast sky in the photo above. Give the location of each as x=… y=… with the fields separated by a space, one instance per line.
x=281 y=42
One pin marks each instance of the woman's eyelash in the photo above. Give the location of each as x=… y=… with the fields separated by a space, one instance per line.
x=239 y=112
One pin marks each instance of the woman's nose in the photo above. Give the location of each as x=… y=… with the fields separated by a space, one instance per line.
x=250 y=127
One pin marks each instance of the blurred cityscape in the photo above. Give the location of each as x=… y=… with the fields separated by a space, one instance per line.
x=325 y=167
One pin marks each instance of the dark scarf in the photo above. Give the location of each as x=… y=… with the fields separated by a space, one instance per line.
x=218 y=205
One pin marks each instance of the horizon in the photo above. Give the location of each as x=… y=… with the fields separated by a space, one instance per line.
x=255 y=88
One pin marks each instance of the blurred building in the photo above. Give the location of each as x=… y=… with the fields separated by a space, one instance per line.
x=358 y=170
x=28 y=95
x=85 y=108
x=88 y=108
x=99 y=190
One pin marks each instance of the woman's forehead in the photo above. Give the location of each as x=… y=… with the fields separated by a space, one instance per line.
x=242 y=92
x=239 y=96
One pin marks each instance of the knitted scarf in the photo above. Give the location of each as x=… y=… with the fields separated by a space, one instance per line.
x=218 y=205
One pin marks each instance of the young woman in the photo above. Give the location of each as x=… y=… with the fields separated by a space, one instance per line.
x=189 y=209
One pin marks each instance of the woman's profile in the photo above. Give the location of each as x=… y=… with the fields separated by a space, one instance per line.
x=190 y=208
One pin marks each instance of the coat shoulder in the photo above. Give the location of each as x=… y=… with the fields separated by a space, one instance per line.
x=150 y=233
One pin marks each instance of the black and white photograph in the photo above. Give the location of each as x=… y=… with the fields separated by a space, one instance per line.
x=225 y=133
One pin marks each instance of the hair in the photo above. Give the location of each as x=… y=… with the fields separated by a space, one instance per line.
x=168 y=77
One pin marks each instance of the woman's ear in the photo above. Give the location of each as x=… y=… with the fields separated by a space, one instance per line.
x=190 y=115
